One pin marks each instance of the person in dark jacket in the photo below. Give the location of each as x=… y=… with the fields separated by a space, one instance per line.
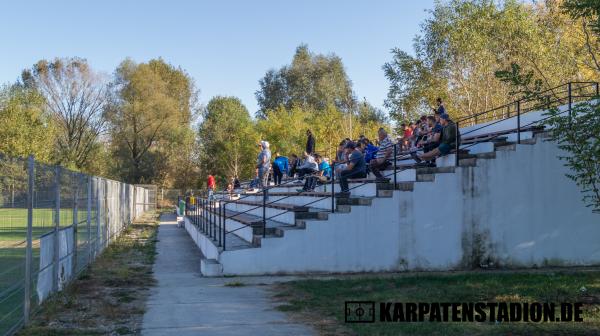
x=310 y=143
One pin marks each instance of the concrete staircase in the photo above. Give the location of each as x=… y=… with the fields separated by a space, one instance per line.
x=379 y=228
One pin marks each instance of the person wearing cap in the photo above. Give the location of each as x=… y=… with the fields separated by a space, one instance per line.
x=357 y=168
x=447 y=140
x=263 y=163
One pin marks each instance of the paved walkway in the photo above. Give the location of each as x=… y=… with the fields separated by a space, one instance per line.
x=185 y=303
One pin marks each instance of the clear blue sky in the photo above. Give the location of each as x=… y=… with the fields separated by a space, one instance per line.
x=226 y=46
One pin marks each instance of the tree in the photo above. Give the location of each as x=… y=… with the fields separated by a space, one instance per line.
x=26 y=128
x=75 y=97
x=465 y=42
x=149 y=117
x=227 y=139
x=311 y=81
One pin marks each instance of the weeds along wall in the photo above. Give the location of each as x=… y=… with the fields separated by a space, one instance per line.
x=53 y=223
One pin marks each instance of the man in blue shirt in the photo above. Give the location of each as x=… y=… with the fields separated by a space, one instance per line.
x=357 y=168
x=280 y=167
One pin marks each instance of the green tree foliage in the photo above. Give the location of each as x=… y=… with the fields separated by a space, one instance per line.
x=26 y=128
x=311 y=81
x=149 y=118
x=228 y=139
x=74 y=96
x=465 y=42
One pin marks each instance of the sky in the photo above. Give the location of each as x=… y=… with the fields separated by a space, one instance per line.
x=226 y=46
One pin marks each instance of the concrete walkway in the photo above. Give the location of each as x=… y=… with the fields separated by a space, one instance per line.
x=185 y=303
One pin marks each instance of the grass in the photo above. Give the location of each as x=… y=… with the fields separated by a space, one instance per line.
x=109 y=296
x=321 y=302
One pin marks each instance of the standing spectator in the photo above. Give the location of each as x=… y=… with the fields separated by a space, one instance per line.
x=440 y=109
x=280 y=167
x=212 y=185
x=236 y=183
x=357 y=168
x=310 y=143
x=380 y=162
x=263 y=164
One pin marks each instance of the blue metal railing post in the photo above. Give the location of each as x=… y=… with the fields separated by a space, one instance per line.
x=224 y=226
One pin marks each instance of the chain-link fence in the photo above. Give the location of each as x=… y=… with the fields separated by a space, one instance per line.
x=53 y=223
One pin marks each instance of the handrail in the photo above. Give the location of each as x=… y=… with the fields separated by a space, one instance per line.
x=209 y=206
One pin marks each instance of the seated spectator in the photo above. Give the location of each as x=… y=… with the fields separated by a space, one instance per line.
x=280 y=167
x=321 y=176
x=340 y=158
x=356 y=168
x=236 y=183
x=370 y=150
x=309 y=166
x=447 y=142
x=381 y=160
x=293 y=165
x=407 y=134
x=433 y=137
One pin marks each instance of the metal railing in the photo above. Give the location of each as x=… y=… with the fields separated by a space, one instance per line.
x=53 y=223
x=210 y=215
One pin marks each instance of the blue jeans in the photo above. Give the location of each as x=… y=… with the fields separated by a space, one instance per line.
x=348 y=174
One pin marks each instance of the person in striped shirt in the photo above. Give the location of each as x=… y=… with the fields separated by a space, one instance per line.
x=381 y=160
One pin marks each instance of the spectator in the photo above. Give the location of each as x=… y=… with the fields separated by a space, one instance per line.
x=310 y=143
x=440 y=107
x=309 y=166
x=263 y=164
x=294 y=165
x=322 y=175
x=370 y=150
x=236 y=183
x=211 y=185
x=280 y=167
x=407 y=134
x=340 y=158
x=447 y=142
x=381 y=160
x=356 y=168
x=434 y=135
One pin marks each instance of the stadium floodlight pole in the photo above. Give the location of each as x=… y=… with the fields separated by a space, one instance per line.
x=28 y=254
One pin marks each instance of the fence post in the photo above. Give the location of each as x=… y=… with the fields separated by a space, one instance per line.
x=75 y=223
x=518 y=121
x=55 y=269
x=221 y=220
x=264 y=212
x=333 y=188
x=96 y=244
x=89 y=218
x=456 y=145
x=28 y=252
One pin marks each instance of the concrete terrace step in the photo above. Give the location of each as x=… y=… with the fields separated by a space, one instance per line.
x=272 y=204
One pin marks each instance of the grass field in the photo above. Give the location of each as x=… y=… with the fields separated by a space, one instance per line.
x=321 y=302
x=13 y=233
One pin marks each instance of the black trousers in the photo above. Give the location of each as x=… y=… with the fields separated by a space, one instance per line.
x=277 y=174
